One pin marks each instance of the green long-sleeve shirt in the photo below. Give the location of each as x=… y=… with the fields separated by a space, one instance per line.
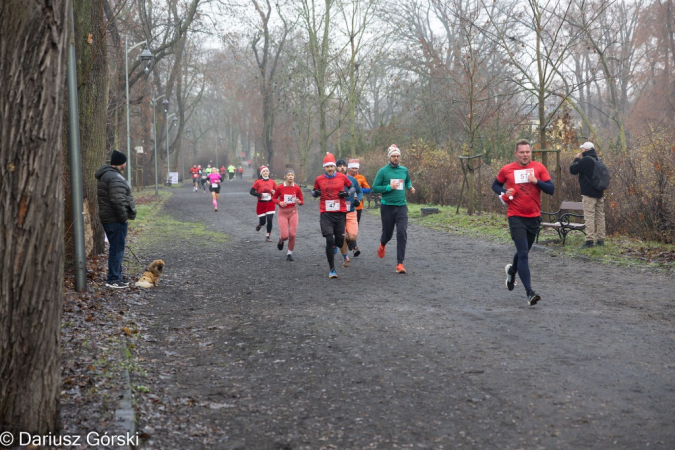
x=392 y=196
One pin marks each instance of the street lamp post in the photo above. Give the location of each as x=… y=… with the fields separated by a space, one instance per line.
x=146 y=55
x=154 y=134
x=167 y=143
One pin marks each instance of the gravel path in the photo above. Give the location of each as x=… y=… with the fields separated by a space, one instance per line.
x=241 y=349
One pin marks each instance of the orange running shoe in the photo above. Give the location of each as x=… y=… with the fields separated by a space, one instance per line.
x=380 y=251
x=400 y=268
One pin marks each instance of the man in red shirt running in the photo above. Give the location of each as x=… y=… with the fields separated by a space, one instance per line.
x=195 y=177
x=331 y=188
x=524 y=181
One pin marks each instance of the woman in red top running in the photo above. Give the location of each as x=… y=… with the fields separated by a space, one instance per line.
x=263 y=188
x=287 y=195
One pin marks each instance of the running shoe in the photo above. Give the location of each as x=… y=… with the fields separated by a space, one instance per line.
x=510 y=278
x=280 y=245
x=117 y=285
x=380 y=251
x=289 y=257
x=335 y=250
x=357 y=252
x=400 y=269
x=215 y=209
x=345 y=263
x=332 y=274
x=268 y=239
x=533 y=298
x=258 y=227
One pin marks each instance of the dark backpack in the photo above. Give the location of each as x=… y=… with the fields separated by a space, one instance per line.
x=600 y=178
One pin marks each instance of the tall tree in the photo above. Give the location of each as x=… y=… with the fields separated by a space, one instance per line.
x=267 y=51
x=32 y=80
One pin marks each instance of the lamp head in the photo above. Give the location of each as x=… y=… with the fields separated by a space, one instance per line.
x=165 y=104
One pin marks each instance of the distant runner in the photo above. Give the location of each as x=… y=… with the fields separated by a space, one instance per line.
x=354 y=166
x=351 y=222
x=263 y=188
x=214 y=180
x=288 y=195
x=195 y=177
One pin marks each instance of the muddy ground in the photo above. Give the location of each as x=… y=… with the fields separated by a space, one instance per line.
x=240 y=349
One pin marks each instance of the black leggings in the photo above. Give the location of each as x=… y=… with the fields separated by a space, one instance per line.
x=263 y=219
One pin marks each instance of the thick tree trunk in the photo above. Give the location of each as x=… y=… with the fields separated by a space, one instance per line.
x=92 y=76
x=32 y=81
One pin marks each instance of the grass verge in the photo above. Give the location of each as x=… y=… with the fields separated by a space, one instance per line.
x=619 y=250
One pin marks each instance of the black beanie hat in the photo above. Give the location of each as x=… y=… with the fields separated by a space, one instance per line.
x=341 y=162
x=117 y=158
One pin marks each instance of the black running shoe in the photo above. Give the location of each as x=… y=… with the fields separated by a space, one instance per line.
x=510 y=278
x=280 y=245
x=117 y=285
x=258 y=227
x=357 y=252
x=289 y=257
x=533 y=298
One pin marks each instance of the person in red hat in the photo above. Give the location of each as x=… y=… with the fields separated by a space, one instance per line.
x=264 y=188
x=333 y=188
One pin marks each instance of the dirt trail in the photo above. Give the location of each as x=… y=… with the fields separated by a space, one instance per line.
x=242 y=349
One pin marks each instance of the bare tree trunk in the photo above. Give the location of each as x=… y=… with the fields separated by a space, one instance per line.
x=92 y=78
x=32 y=80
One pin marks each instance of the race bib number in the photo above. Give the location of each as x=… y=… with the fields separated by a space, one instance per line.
x=396 y=184
x=214 y=185
x=520 y=176
x=266 y=197
x=289 y=198
x=332 y=205
x=348 y=205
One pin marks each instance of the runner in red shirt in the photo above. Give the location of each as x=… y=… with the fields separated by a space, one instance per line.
x=524 y=181
x=331 y=187
x=263 y=188
x=287 y=195
x=195 y=177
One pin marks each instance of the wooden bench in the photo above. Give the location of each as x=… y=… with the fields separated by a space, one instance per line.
x=565 y=220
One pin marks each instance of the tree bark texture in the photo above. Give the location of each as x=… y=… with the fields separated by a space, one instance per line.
x=32 y=81
x=92 y=76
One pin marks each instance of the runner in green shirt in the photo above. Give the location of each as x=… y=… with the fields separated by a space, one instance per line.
x=391 y=181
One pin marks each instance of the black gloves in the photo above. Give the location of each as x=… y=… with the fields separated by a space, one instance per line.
x=356 y=202
x=316 y=192
x=343 y=194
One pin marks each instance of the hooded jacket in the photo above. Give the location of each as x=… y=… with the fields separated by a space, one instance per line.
x=584 y=168
x=115 y=200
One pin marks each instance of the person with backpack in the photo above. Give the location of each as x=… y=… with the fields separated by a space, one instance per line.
x=593 y=181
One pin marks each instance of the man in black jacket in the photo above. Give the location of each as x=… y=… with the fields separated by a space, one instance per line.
x=115 y=208
x=593 y=200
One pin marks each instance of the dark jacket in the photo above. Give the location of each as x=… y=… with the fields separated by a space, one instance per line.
x=115 y=200
x=584 y=168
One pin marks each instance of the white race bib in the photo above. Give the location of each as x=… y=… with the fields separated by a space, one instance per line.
x=348 y=205
x=266 y=197
x=396 y=184
x=289 y=198
x=332 y=205
x=520 y=176
x=214 y=185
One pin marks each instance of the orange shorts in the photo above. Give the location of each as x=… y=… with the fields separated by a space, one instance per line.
x=351 y=224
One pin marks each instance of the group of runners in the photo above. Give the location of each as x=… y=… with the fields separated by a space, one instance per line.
x=340 y=189
x=201 y=176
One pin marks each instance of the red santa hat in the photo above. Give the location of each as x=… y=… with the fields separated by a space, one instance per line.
x=353 y=164
x=263 y=168
x=329 y=159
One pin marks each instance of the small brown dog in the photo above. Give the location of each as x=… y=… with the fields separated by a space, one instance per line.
x=151 y=275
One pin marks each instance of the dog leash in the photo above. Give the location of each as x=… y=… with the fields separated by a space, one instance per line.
x=132 y=252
